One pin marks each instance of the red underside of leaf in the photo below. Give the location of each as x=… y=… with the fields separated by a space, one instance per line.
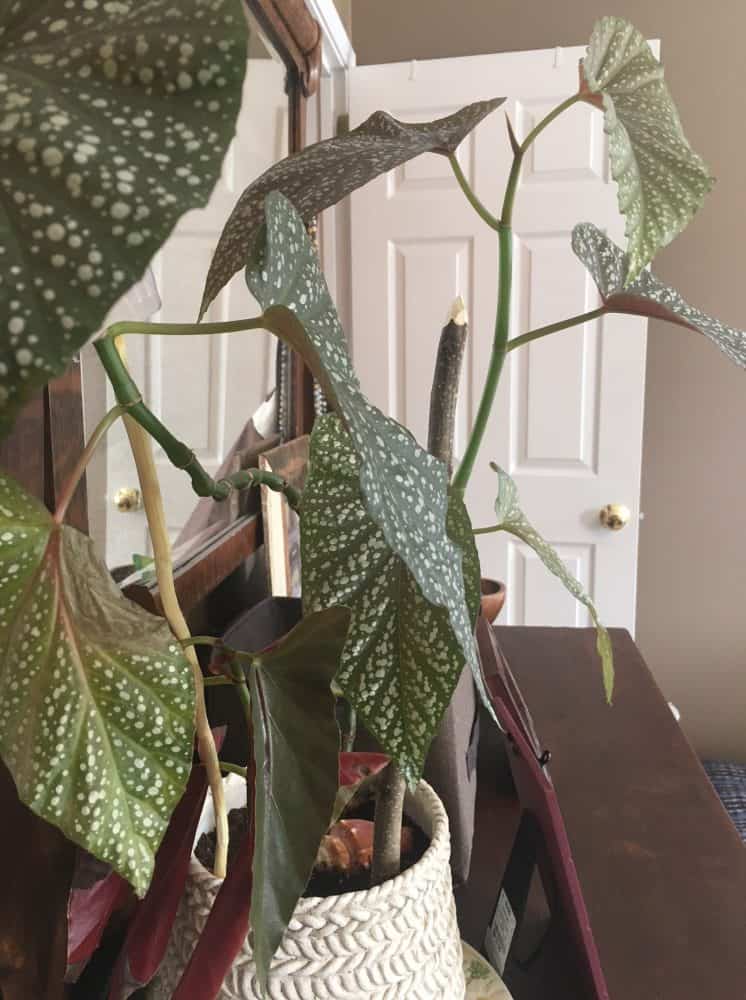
x=638 y=305
x=354 y=767
x=88 y=914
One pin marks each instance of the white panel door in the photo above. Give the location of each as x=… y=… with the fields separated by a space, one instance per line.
x=568 y=421
x=204 y=388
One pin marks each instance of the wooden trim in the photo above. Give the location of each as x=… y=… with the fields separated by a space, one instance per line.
x=296 y=36
x=337 y=51
x=196 y=578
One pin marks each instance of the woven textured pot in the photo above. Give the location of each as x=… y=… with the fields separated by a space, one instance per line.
x=397 y=941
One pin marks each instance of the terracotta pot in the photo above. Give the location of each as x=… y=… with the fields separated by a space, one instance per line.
x=493 y=598
x=397 y=941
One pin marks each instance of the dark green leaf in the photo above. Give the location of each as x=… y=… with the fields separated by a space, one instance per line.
x=114 y=119
x=296 y=746
x=96 y=697
x=647 y=296
x=511 y=518
x=460 y=531
x=661 y=180
x=402 y=658
x=323 y=174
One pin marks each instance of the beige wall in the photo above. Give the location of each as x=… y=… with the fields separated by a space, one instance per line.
x=345 y=12
x=692 y=573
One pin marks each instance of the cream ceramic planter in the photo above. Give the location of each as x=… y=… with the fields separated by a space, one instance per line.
x=398 y=941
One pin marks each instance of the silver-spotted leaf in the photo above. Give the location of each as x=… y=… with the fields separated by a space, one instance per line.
x=296 y=748
x=402 y=658
x=96 y=698
x=647 y=296
x=403 y=488
x=114 y=119
x=324 y=173
x=511 y=518
x=661 y=180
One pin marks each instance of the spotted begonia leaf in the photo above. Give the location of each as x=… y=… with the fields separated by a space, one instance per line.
x=403 y=488
x=96 y=698
x=114 y=119
x=661 y=180
x=511 y=518
x=647 y=296
x=296 y=749
x=403 y=656
x=324 y=173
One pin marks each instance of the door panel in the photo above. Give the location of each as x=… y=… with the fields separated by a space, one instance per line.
x=567 y=424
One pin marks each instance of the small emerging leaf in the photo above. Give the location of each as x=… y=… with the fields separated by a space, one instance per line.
x=96 y=697
x=324 y=173
x=403 y=489
x=661 y=180
x=402 y=658
x=296 y=749
x=114 y=119
x=647 y=296
x=511 y=518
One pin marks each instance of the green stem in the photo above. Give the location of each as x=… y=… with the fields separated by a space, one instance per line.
x=502 y=322
x=185 y=329
x=201 y=640
x=564 y=324
x=242 y=690
x=347 y=722
x=233 y=769
x=179 y=454
x=497 y=359
x=217 y=681
x=259 y=477
x=515 y=170
x=476 y=204
x=486 y=531
x=82 y=463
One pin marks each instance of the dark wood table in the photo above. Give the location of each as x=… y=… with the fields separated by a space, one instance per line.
x=662 y=868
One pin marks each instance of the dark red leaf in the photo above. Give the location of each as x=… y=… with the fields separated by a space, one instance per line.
x=88 y=914
x=150 y=929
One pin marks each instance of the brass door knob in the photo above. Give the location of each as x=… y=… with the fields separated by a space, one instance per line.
x=614 y=516
x=128 y=499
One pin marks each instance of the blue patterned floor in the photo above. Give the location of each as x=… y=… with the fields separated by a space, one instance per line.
x=729 y=781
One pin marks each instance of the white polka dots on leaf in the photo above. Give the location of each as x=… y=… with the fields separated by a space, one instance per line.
x=96 y=697
x=322 y=174
x=661 y=180
x=95 y=123
x=647 y=296
x=402 y=657
x=403 y=489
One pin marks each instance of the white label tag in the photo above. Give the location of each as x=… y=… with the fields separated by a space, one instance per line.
x=499 y=936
